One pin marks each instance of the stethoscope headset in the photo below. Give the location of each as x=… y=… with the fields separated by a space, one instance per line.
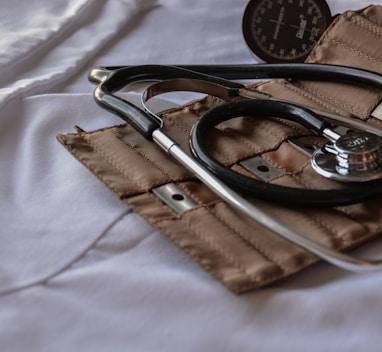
x=354 y=159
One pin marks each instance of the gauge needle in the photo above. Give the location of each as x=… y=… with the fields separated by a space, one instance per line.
x=277 y=22
x=289 y=25
x=298 y=27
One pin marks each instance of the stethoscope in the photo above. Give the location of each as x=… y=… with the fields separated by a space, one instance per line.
x=355 y=157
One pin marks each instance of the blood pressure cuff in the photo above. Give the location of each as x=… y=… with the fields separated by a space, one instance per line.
x=231 y=247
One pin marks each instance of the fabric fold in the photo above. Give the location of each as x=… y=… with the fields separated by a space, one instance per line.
x=58 y=39
x=51 y=51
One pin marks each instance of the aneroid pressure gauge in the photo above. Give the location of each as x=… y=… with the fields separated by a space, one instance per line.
x=284 y=30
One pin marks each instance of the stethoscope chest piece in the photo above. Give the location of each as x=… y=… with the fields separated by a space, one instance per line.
x=354 y=157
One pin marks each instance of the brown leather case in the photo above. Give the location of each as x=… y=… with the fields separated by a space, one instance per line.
x=233 y=248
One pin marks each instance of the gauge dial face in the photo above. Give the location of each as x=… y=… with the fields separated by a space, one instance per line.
x=284 y=30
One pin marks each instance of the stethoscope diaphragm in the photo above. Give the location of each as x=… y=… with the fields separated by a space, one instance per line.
x=353 y=157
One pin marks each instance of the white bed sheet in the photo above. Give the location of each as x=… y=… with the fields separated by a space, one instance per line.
x=78 y=270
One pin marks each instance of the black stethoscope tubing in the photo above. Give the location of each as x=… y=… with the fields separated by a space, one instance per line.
x=147 y=123
x=121 y=76
x=268 y=191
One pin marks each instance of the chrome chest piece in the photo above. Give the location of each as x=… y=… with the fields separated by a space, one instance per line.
x=354 y=157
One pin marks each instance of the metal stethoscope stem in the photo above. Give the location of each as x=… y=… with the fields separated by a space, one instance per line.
x=332 y=256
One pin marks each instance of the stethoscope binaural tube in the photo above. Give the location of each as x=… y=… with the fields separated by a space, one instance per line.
x=112 y=81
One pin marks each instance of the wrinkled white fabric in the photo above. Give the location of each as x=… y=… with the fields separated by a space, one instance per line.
x=45 y=214
x=57 y=49
x=78 y=270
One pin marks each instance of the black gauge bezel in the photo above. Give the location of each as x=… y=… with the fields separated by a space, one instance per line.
x=258 y=50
